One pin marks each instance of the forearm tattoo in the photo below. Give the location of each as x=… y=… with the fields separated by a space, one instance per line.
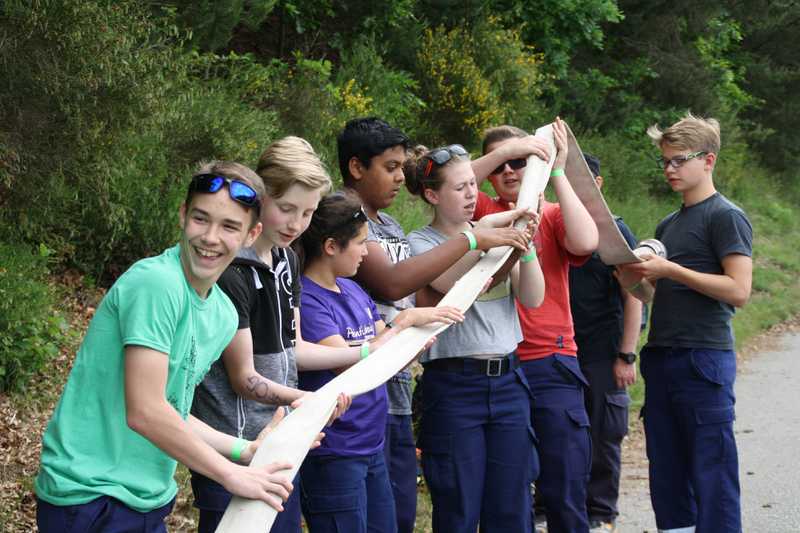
x=261 y=391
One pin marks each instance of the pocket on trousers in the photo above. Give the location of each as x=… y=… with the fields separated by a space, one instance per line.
x=570 y=370
x=715 y=366
x=437 y=461
x=580 y=447
x=331 y=503
x=616 y=415
x=714 y=433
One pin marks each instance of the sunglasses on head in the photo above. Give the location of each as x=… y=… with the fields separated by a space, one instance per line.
x=440 y=156
x=239 y=191
x=514 y=164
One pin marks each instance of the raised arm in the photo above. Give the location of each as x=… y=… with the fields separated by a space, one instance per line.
x=581 y=232
x=151 y=415
x=516 y=148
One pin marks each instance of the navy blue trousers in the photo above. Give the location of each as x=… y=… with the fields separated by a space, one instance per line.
x=400 y=455
x=688 y=422
x=607 y=407
x=211 y=499
x=565 y=448
x=347 y=494
x=478 y=453
x=103 y=515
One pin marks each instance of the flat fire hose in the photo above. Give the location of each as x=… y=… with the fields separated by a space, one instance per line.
x=292 y=438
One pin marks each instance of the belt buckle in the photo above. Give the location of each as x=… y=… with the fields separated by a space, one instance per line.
x=494 y=368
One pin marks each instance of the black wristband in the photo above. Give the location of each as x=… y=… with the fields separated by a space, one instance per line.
x=628 y=357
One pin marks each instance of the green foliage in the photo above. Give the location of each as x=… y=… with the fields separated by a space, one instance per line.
x=475 y=78
x=30 y=327
x=102 y=124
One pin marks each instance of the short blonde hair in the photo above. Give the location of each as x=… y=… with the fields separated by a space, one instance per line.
x=689 y=133
x=288 y=161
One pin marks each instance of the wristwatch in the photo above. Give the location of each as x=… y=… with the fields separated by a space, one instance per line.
x=628 y=357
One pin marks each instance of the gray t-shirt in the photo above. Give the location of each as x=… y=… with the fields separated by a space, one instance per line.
x=698 y=237
x=387 y=232
x=491 y=325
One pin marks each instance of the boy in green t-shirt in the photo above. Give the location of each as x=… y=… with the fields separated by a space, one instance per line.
x=109 y=452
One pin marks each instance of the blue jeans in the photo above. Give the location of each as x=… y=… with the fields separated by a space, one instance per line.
x=102 y=515
x=400 y=454
x=688 y=422
x=478 y=452
x=211 y=499
x=565 y=447
x=347 y=494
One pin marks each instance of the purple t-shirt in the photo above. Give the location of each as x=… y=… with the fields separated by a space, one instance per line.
x=351 y=314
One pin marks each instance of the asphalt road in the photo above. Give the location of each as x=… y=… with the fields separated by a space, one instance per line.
x=768 y=437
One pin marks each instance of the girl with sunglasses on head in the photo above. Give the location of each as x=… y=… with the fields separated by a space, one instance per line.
x=477 y=444
x=371 y=155
x=345 y=483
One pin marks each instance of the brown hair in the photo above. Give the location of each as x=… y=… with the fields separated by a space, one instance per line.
x=288 y=161
x=500 y=133
x=234 y=171
x=418 y=160
x=339 y=216
x=689 y=133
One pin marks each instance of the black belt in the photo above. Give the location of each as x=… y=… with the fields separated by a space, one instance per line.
x=463 y=365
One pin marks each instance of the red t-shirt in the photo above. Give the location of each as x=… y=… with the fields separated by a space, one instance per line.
x=546 y=329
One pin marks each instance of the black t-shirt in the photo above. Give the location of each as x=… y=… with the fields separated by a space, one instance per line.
x=596 y=303
x=698 y=237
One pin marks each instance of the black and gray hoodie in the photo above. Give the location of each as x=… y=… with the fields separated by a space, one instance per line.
x=266 y=299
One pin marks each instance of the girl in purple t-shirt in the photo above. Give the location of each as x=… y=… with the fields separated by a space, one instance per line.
x=345 y=485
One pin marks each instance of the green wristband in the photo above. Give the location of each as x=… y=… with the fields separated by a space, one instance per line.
x=473 y=242
x=530 y=257
x=238 y=448
x=557 y=172
x=364 y=350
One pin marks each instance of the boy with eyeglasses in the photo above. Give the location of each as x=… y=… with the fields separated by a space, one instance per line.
x=566 y=237
x=112 y=445
x=689 y=362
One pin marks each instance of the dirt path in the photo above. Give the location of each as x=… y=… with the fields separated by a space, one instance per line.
x=768 y=437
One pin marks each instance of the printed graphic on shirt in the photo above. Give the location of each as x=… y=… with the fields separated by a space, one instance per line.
x=188 y=366
x=397 y=249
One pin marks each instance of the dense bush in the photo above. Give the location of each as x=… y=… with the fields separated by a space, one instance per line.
x=30 y=329
x=103 y=122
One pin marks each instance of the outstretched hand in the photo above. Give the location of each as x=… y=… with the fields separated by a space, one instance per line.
x=269 y=483
x=422 y=316
x=504 y=219
x=491 y=237
x=343 y=403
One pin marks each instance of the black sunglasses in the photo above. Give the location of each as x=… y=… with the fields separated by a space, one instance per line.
x=515 y=164
x=238 y=190
x=440 y=156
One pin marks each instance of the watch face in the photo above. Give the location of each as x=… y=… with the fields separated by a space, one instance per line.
x=627 y=357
